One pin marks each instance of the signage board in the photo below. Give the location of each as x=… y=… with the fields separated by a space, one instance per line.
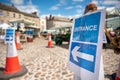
x=86 y=45
x=9 y=35
x=22 y=25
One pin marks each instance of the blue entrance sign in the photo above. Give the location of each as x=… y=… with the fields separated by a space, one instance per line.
x=86 y=28
x=82 y=54
x=86 y=45
x=9 y=35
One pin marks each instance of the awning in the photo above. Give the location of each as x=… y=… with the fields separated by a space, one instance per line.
x=22 y=21
x=33 y=26
x=4 y=26
x=53 y=28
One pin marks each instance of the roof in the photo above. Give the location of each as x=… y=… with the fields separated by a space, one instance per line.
x=14 y=9
x=31 y=15
x=58 y=18
x=9 y=8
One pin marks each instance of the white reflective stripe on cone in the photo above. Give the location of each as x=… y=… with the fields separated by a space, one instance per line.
x=50 y=38
x=11 y=50
x=17 y=39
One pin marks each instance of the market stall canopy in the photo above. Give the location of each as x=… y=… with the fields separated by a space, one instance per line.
x=4 y=26
x=33 y=26
x=22 y=21
x=53 y=28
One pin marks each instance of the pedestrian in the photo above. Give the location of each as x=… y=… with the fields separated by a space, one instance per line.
x=90 y=8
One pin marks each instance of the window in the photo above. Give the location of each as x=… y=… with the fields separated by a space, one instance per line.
x=42 y=22
x=19 y=16
x=7 y=14
x=1 y=13
x=14 y=15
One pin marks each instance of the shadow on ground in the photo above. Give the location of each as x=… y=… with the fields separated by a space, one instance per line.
x=64 y=45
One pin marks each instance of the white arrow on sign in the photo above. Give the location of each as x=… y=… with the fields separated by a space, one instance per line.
x=10 y=38
x=85 y=56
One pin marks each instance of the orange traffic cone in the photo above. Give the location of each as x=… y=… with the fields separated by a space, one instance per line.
x=17 y=41
x=49 y=41
x=12 y=67
x=12 y=62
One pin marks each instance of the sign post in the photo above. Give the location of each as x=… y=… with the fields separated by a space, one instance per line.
x=86 y=46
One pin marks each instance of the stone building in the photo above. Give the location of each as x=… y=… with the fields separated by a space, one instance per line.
x=43 y=23
x=56 y=21
x=10 y=14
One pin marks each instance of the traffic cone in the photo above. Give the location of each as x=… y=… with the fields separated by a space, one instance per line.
x=17 y=41
x=12 y=67
x=49 y=41
x=12 y=62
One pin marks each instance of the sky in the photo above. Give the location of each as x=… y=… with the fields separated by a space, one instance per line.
x=65 y=8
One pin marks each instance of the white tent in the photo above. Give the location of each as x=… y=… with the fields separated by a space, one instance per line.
x=4 y=26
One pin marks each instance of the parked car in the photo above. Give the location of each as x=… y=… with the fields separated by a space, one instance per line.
x=44 y=33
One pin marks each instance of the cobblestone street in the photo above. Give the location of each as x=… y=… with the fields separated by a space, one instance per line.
x=42 y=63
x=50 y=63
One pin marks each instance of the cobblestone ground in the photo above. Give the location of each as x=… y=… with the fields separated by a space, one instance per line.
x=51 y=63
x=42 y=63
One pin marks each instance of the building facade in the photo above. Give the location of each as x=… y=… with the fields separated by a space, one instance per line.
x=56 y=21
x=43 y=24
x=10 y=14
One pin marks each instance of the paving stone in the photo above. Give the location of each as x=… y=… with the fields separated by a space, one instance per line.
x=37 y=74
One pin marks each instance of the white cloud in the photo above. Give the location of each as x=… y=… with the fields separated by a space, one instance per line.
x=17 y=2
x=28 y=8
x=54 y=8
x=62 y=2
x=118 y=6
x=58 y=4
x=68 y=8
x=30 y=2
x=106 y=2
x=78 y=6
x=115 y=3
x=94 y=1
x=45 y=15
x=79 y=10
x=77 y=0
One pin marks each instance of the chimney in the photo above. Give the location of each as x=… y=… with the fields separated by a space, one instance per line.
x=13 y=5
x=35 y=13
x=50 y=17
